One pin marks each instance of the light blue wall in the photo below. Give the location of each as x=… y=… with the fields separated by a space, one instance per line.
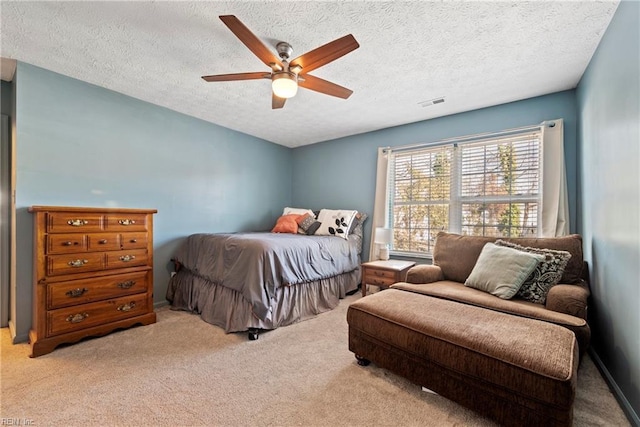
x=82 y=145
x=341 y=173
x=609 y=133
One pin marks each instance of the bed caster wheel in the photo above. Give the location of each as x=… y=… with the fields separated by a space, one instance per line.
x=253 y=334
x=362 y=361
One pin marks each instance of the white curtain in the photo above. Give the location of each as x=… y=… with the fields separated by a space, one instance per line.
x=380 y=204
x=555 y=203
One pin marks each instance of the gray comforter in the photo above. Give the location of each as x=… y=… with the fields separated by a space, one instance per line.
x=255 y=264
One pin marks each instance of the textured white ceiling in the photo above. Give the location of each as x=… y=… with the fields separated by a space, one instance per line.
x=475 y=54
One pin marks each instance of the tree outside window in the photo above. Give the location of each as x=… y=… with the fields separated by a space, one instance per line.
x=490 y=188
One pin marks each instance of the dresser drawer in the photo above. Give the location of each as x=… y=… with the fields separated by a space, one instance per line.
x=80 y=317
x=373 y=279
x=66 y=243
x=76 y=292
x=74 y=263
x=103 y=242
x=380 y=273
x=122 y=259
x=126 y=222
x=134 y=240
x=69 y=222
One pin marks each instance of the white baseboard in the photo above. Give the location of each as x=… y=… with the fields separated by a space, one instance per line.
x=619 y=395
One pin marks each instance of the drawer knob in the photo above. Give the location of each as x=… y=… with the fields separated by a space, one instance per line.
x=75 y=293
x=133 y=241
x=127 y=258
x=77 y=222
x=77 y=318
x=102 y=241
x=378 y=273
x=126 y=221
x=126 y=285
x=78 y=262
x=127 y=307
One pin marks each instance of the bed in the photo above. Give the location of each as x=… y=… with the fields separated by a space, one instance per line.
x=263 y=280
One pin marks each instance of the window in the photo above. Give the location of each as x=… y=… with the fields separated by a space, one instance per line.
x=490 y=187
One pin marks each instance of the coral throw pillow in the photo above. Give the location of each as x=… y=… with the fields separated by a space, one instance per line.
x=287 y=224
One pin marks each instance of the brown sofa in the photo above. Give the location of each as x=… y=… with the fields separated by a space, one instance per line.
x=454 y=257
x=511 y=360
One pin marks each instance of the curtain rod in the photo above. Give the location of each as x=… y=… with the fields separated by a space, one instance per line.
x=469 y=138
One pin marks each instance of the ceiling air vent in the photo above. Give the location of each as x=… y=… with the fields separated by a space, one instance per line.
x=433 y=101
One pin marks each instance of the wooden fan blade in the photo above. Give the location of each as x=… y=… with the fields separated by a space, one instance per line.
x=277 y=102
x=237 y=76
x=326 y=53
x=323 y=86
x=250 y=40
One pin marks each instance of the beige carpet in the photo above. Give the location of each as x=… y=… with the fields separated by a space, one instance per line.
x=182 y=371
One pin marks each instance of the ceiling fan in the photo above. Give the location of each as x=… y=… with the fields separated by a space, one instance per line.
x=287 y=75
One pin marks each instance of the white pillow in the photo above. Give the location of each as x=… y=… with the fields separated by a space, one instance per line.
x=335 y=222
x=297 y=211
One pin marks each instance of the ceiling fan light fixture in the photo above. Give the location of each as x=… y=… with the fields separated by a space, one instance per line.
x=286 y=76
x=284 y=84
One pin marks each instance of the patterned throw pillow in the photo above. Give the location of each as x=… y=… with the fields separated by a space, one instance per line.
x=356 y=225
x=313 y=228
x=304 y=222
x=356 y=232
x=335 y=222
x=547 y=273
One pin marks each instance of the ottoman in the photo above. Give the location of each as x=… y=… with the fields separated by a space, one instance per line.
x=514 y=370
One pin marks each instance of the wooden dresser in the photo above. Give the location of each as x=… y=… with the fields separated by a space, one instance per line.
x=93 y=273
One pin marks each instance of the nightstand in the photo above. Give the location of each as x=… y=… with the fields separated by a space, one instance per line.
x=384 y=273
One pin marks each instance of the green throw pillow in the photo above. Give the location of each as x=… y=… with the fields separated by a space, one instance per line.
x=501 y=271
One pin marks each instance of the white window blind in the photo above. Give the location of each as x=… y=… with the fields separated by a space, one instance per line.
x=490 y=187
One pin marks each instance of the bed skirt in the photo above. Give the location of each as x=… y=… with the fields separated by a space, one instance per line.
x=228 y=309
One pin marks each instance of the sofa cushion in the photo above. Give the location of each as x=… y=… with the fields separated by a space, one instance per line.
x=546 y=274
x=455 y=291
x=424 y=273
x=456 y=254
x=501 y=271
x=458 y=292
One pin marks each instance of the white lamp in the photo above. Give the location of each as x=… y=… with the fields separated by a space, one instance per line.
x=383 y=236
x=284 y=84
